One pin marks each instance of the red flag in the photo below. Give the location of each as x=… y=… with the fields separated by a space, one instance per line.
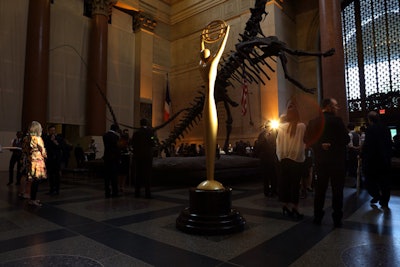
x=245 y=91
x=167 y=104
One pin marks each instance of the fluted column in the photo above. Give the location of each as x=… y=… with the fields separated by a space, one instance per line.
x=333 y=74
x=143 y=26
x=36 y=77
x=97 y=68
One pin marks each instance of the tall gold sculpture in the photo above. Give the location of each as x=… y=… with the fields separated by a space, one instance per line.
x=210 y=211
x=214 y=32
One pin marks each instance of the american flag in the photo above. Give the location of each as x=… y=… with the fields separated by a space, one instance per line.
x=167 y=104
x=245 y=91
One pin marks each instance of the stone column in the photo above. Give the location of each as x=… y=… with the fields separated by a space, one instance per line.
x=97 y=68
x=143 y=26
x=36 y=82
x=333 y=75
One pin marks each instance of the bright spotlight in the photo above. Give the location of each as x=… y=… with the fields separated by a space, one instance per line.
x=274 y=124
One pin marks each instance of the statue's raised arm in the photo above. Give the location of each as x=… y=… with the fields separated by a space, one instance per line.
x=213 y=33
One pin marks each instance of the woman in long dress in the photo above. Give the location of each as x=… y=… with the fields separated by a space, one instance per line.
x=34 y=154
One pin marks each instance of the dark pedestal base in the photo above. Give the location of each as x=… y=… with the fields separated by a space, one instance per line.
x=210 y=213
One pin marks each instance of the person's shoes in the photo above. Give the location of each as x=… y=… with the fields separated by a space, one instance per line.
x=309 y=189
x=318 y=217
x=50 y=193
x=286 y=212
x=9 y=183
x=338 y=224
x=23 y=196
x=148 y=196
x=17 y=183
x=297 y=215
x=115 y=195
x=383 y=205
x=374 y=200
x=107 y=196
x=35 y=203
x=317 y=221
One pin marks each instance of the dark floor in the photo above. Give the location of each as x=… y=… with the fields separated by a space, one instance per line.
x=81 y=228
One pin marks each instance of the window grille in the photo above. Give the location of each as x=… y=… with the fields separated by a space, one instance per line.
x=371 y=40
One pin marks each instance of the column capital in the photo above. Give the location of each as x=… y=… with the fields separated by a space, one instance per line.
x=278 y=3
x=143 y=21
x=102 y=7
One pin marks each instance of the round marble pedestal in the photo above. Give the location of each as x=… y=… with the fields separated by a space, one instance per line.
x=210 y=213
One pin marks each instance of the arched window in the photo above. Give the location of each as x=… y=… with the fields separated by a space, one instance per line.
x=371 y=39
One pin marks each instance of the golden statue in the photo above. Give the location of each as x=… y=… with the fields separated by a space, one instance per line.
x=214 y=31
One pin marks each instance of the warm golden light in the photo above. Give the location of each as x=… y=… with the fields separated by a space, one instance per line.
x=125 y=6
x=274 y=124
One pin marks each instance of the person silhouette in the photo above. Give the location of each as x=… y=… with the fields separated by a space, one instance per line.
x=111 y=157
x=328 y=137
x=142 y=146
x=16 y=158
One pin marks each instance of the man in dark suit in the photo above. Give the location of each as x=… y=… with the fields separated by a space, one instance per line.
x=376 y=158
x=265 y=150
x=54 y=144
x=16 y=158
x=328 y=137
x=111 y=159
x=142 y=145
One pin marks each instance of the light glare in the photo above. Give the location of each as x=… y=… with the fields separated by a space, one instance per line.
x=274 y=124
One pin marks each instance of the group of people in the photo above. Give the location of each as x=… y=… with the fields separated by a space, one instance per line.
x=330 y=142
x=326 y=136
x=117 y=146
x=241 y=148
x=39 y=158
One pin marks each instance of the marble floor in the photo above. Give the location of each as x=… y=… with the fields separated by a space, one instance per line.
x=80 y=227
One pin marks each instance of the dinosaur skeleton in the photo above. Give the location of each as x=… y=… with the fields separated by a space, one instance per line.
x=246 y=62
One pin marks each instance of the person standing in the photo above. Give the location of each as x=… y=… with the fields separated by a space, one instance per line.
x=15 y=159
x=24 y=189
x=124 y=164
x=111 y=157
x=328 y=136
x=34 y=152
x=353 y=151
x=308 y=174
x=79 y=156
x=142 y=146
x=54 y=146
x=290 y=151
x=265 y=150
x=396 y=146
x=92 y=150
x=376 y=156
